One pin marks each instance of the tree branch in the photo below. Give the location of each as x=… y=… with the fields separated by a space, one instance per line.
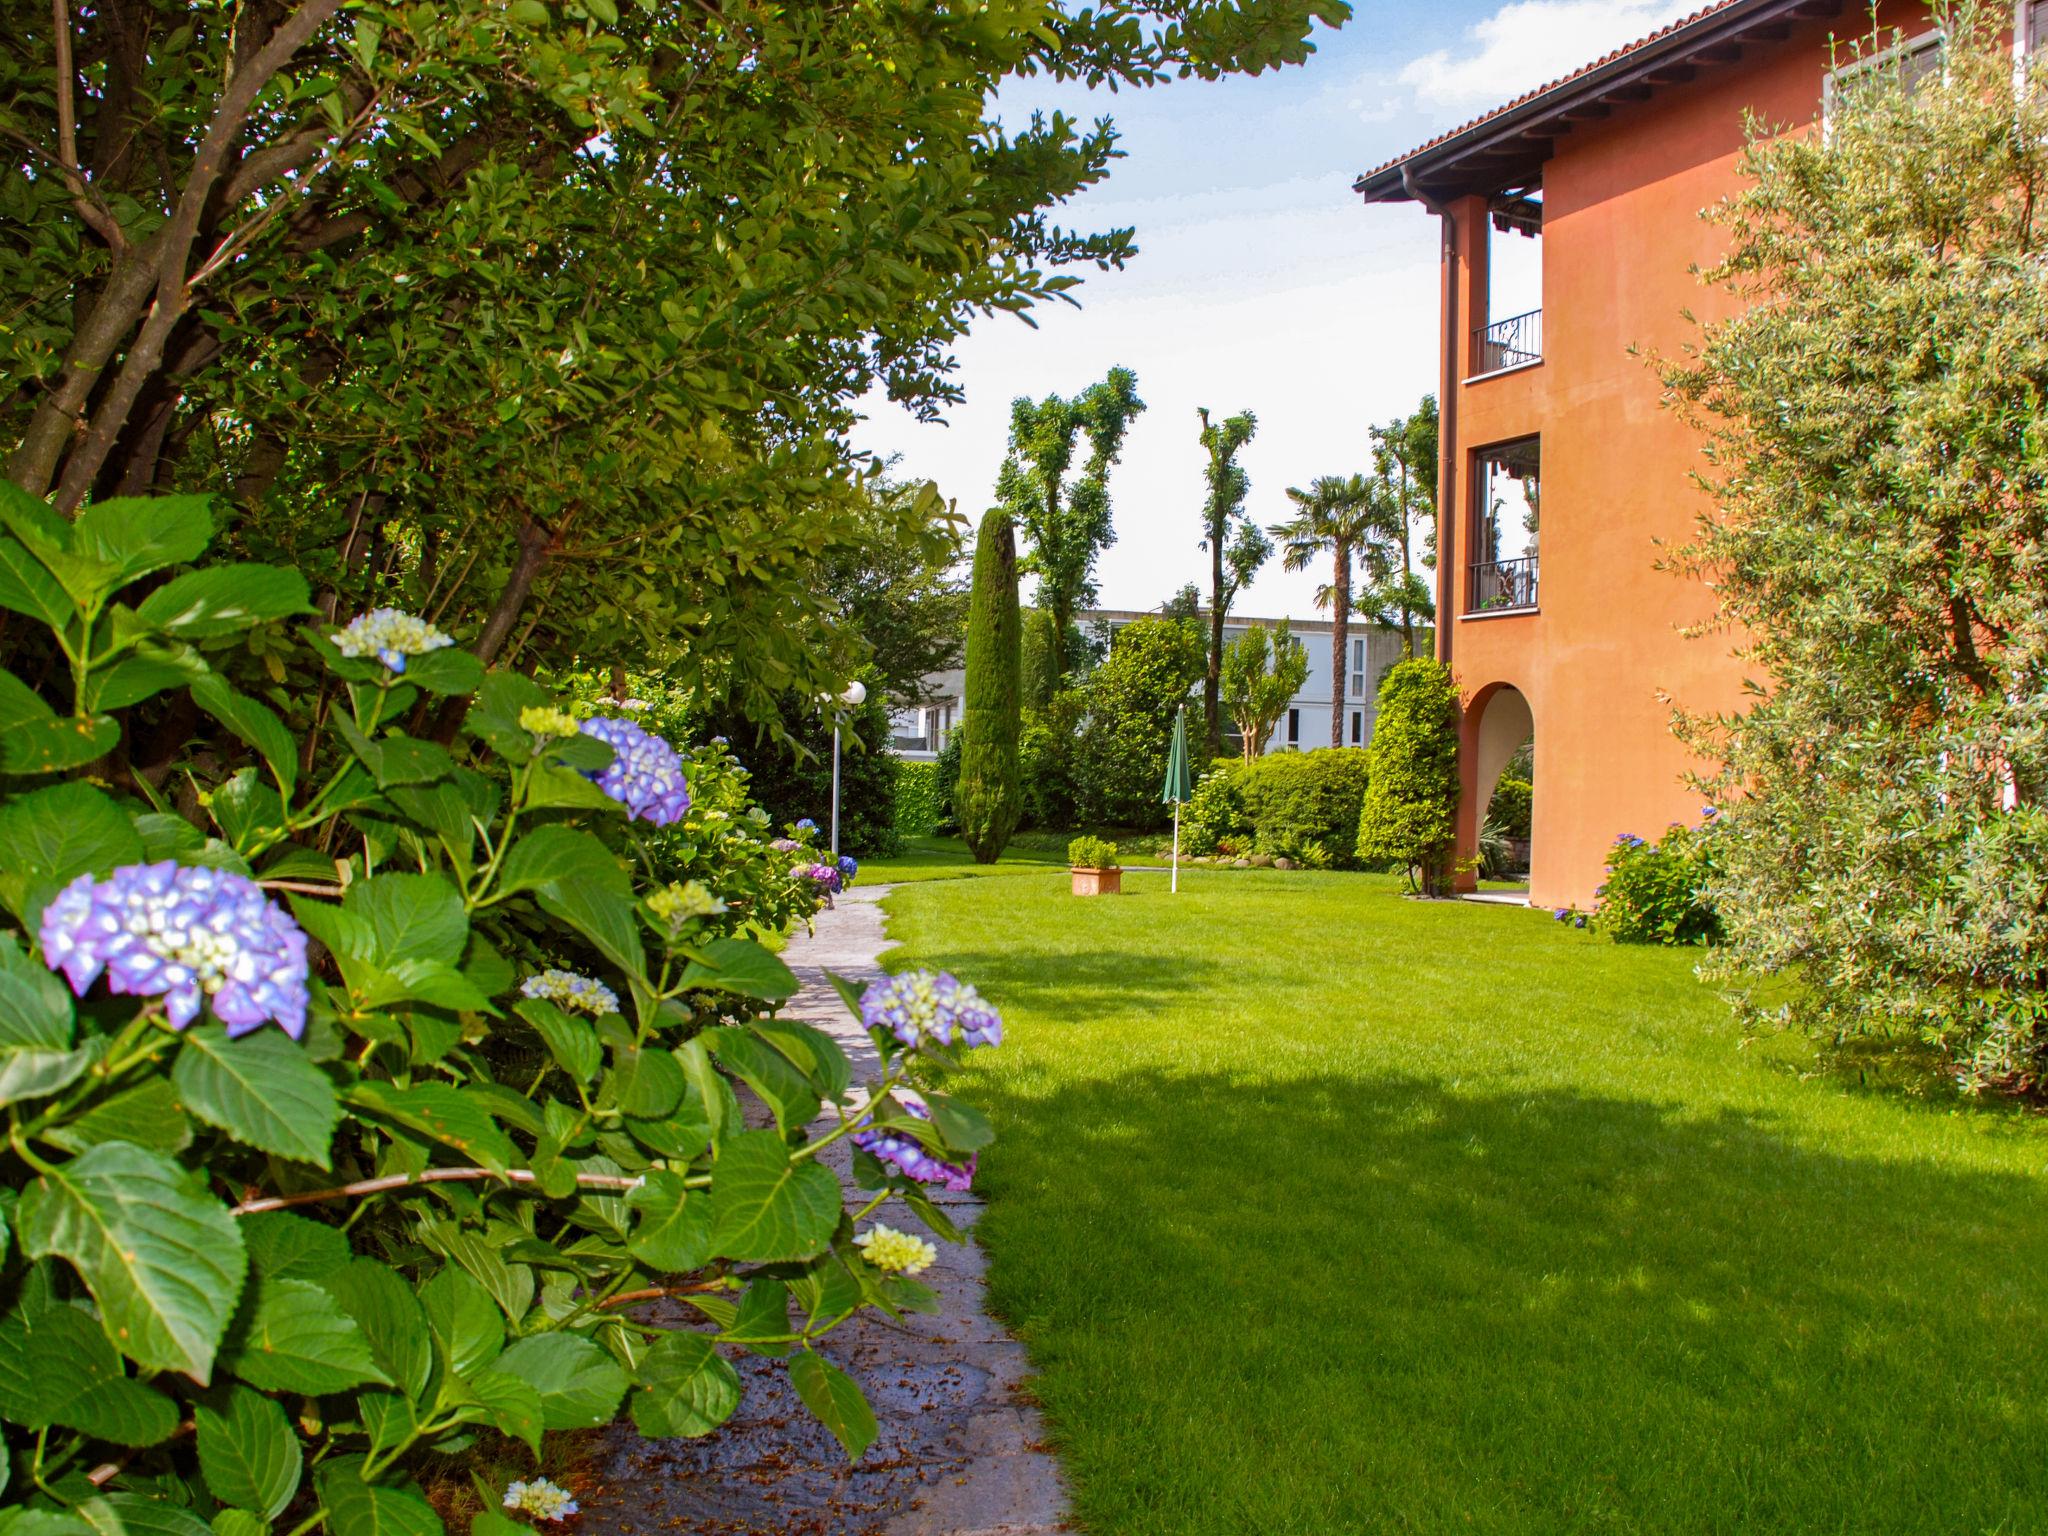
x=362 y=1187
x=97 y=216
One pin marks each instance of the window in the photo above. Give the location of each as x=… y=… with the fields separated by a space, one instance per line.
x=1293 y=727
x=1507 y=498
x=1912 y=63
x=1358 y=647
x=1357 y=727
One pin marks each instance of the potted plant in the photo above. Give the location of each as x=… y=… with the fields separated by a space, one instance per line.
x=1096 y=871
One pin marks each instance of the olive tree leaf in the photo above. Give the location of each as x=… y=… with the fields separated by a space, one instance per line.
x=261 y=1090
x=685 y=1387
x=163 y=1260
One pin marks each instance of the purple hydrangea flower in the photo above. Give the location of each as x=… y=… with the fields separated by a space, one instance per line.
x=822 y=875
x=1709 y=812
x=644 y=775
x=1558 y=914
x=805 y=824
x=785 y=845
x=923 y=1007
x=849 y=866
x=182 y=933
x=910 y=1159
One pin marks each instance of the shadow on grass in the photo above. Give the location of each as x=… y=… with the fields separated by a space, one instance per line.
x=1338 y=1304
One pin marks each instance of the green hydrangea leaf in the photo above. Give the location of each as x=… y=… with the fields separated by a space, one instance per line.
x=293 y=1336
x=685 y=1387
x=766 y=1209
x=261 y=1090
x=579 y=1384
x=248 y=1450
x=836 y=1399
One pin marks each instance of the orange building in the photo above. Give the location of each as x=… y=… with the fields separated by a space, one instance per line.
x=1561 y=471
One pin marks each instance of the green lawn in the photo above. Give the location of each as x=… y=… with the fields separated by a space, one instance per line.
x=1325 y=1211
x=944 y=858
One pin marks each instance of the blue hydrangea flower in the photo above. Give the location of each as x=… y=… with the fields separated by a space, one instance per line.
x=391 y=635
x=805 y=824
x=909 y=1158
x=822 y=875
x=849 y=866
x=924 y=1007
x=645 y=775
x=183 y=934
x=1558 y=914
x=1709 y=812
x=579 y=994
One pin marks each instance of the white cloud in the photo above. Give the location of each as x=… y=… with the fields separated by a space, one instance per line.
x=1528 y=43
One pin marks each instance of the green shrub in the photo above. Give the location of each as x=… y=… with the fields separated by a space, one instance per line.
x=1092 y=853
x=947 y=772
x=1298 y=800
x=1046 y=761
x=1513 y=801
x=419 y=1198
x=920 y=803
x=1216 y=814
x=989 y=799
x=793 y=779
x=1131 y=700
x=1409 y=820
x=1656 y=893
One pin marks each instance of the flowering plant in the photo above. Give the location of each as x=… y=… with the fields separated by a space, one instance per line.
x=352 y=1111
x=1656 y=893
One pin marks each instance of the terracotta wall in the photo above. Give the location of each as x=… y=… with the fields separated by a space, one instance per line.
x=1602 y=663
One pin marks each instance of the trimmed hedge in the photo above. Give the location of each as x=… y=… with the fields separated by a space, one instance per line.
x=920 y=801
x=1305 y=805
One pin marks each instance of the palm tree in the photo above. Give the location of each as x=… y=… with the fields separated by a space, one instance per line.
x=1334 y=515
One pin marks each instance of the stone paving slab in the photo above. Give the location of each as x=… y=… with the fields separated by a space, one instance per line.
x=961 y=1450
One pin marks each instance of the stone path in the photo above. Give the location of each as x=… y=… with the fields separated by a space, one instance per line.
x=961 y=1450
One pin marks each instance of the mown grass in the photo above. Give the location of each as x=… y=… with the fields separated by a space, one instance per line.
x=1321 y=1210
x=946 y=858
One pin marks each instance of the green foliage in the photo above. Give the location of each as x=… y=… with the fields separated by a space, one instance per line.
x=920 y=802
x=1237 y=547
x=790 y=773
x=947 y=771
x=1305 y=805
x=569 y=403
x=1876 y=533
x=1512 y=805
x=1261 y=676
x=1064 y=515
x=1657 y=893
x=1092 y=853
x=989 y=798
x=1215 y=820
x=1335 y=516
x=419 y=1201
x=1404 y=477
x=1130 y=702
x=1046 y=759
x=1409 y=819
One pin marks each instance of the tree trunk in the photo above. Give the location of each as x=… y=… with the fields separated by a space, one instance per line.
x=536 y=543
x=1212 y=681
x=1340 y=636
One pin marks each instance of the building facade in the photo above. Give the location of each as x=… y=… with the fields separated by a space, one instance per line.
x=920 y=730
x=1562 y=473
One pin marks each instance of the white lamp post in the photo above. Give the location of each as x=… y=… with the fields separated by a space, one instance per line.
x=856 y=694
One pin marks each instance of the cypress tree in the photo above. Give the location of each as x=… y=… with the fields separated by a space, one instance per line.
x=990 y=798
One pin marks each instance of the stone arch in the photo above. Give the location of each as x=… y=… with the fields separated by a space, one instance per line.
x=1497 y=719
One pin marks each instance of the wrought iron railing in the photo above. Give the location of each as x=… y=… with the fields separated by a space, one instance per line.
x=1509 y=343
x=1502 y=585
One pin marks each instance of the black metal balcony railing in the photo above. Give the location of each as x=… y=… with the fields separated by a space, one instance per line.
x=1502 y=585
x=1509 y=343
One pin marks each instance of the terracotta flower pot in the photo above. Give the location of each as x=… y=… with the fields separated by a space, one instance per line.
x=1098 y=882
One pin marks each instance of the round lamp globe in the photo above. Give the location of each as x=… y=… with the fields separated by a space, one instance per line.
x=856 y=694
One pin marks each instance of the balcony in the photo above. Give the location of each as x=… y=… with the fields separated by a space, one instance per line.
x=1502 y=586
x=1514 y=342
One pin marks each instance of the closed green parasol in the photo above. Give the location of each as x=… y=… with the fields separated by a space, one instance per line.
x=1180 y=784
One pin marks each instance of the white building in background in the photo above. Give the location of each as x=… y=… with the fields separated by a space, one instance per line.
x=920 y=731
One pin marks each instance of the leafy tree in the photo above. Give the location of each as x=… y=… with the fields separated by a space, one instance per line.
x=1261 y=675
x=899 y=596
x=1334 y=516
x=789 y=760
x=1410 y=817
x=1878 y=538
x=1237 y=546
x=1065 y=516
x=1131 y=700
x=499 y=313
x=1404 y=454
x=990 y=798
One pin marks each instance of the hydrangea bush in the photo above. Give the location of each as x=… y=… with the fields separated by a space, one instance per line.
x=1658 y=893
x=353 y=1117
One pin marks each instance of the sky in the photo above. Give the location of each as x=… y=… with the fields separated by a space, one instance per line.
x=1261 y=283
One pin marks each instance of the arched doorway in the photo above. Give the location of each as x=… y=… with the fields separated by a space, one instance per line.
x=1497 y=729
